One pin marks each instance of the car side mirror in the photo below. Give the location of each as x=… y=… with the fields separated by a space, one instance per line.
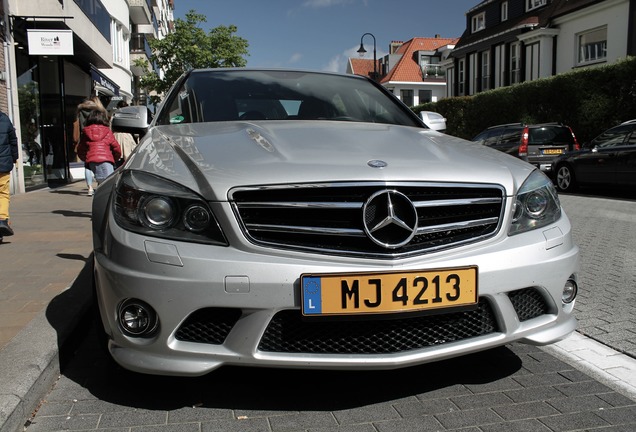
x=132 y=119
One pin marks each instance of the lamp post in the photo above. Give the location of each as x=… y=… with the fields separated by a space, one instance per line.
x=362 y=52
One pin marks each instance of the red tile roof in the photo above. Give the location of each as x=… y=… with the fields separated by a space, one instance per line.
x=363 y=67
x=407 y=69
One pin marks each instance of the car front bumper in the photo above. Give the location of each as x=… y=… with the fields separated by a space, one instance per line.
x=176 y=279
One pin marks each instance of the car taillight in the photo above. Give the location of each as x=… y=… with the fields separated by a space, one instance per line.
x=577 y=146
x=523 y=147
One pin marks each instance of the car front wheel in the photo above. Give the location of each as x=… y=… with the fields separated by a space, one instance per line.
x=565 y=179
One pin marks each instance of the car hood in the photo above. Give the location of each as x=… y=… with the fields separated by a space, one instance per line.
x=212 y=158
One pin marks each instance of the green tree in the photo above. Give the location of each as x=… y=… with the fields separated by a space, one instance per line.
x=189 y=47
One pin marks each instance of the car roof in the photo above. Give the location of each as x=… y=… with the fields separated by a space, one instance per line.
x=530 y=125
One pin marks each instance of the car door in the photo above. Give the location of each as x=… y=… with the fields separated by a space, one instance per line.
x=626 y=160
x=602 y=163
x=488 y=137
x=509 y=140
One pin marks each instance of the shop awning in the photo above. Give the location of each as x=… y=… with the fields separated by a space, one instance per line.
x=103 y=81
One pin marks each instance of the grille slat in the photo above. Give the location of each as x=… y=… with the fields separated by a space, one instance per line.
x=330 y=218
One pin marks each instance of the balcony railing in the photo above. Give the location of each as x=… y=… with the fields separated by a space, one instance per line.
x=430 y=71
x=139 y=43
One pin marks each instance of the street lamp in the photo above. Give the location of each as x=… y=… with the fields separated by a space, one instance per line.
x=362 y=52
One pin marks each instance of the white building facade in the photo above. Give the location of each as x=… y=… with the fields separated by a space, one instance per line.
x=58 y=53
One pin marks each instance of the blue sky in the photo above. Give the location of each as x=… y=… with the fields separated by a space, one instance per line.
x=323 y=34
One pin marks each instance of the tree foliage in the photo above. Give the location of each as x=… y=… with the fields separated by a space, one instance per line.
x=188 y=47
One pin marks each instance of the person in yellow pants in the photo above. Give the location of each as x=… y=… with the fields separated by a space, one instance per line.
x=8 y=158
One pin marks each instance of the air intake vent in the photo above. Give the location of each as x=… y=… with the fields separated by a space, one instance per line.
x=289 y=333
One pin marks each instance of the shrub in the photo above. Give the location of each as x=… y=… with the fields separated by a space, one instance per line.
x=589 y=100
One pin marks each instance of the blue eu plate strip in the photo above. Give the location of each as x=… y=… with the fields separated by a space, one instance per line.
x=311 y=296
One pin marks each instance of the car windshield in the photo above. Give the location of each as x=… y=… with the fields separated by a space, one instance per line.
x=231 y=95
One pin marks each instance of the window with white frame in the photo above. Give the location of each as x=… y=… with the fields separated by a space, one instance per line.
x=515 y=66
x=533 y=4
x=479 y=22
x=120 y=44
x=461 y=76
x=406 y=95
x=425 y=96
x=485 y=70
x=473 y=73
x=500 y=69
x=504 y=11
x=592 y=46
x=532 y=60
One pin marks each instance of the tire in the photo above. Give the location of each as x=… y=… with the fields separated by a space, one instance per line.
x=565 y=181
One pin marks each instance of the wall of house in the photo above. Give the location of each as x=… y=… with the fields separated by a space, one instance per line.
x=438 y=91
x=612 y=13
x=120 y=36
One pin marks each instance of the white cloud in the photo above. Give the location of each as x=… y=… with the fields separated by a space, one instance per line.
x=315 y=4
x=295 y=58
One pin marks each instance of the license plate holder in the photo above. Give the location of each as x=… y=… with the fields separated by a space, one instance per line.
x=552 y=151
x=384 y=293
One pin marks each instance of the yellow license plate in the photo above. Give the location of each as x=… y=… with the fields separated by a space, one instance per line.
x=383 y=293
x=552 y=151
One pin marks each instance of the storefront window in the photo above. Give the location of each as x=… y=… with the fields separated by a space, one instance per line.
x=41 y=123
x=29 y=101
x=53 y=139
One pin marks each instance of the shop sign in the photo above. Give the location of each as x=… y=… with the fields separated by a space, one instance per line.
x=50 y=42
x=103 y=81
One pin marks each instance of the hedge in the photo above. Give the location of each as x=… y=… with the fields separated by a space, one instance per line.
x=589 y=100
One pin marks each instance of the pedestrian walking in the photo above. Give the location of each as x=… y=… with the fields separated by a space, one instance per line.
x=83 y=110
x=125 y=139
x=8 y=159
x=98 y=146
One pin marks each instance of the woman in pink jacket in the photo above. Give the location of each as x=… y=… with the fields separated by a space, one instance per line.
x=98 y=146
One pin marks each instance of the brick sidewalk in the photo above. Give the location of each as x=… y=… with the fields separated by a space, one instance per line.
x=50 y=247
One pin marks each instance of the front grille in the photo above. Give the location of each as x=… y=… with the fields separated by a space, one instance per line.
x=334 y=218
x=528 y=303
x=209 y=325
x=289 y=333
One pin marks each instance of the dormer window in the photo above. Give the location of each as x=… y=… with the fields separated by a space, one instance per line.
x=534 y=4
x=504 y=11
x=479 y=22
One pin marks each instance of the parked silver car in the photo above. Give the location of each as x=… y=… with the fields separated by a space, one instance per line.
x=433 y=120
x=310 y=220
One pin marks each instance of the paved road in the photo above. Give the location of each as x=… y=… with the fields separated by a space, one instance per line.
x=515 y=388
x=605 y=230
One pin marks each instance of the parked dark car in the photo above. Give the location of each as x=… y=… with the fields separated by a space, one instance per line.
x=538 y=144
x=610 y=158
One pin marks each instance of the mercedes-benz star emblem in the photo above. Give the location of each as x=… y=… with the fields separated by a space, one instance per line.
x=389 y=219
x=376 y=163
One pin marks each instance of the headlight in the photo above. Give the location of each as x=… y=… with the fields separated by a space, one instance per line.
x=536 y=204
x=153 y=206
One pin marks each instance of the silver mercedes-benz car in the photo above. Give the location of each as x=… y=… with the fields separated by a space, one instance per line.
x=310 y=220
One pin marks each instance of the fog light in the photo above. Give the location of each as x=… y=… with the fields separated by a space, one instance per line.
x=137 y=318
x=569 y=291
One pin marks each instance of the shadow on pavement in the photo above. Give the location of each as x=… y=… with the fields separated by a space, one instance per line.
x=274 y=389
x=622 y=193
x=70 y=213
x=68 y=310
